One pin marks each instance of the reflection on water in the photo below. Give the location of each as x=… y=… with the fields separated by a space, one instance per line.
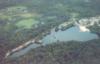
x=72 y=33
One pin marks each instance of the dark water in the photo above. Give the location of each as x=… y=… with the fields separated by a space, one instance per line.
x=72 y=33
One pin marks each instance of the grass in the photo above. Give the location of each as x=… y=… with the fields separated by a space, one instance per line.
x=26 y=23
x=16 y=11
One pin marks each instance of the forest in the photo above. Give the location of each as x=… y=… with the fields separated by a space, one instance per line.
x=23 y=20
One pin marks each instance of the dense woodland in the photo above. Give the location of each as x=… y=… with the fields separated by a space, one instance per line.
x=22 y=20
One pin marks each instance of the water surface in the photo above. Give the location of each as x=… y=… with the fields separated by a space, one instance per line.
x=72 y=33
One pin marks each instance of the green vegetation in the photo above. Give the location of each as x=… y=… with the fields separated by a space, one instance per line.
x=22 y=20
x=71 y=52
x=27 y=23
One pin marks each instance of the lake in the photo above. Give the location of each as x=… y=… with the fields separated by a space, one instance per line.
x=72 y=33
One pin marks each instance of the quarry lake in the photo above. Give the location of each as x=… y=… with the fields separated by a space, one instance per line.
x=72 y=33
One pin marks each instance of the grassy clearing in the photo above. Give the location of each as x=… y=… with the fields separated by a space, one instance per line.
x=16 y=11
x=26 y=23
